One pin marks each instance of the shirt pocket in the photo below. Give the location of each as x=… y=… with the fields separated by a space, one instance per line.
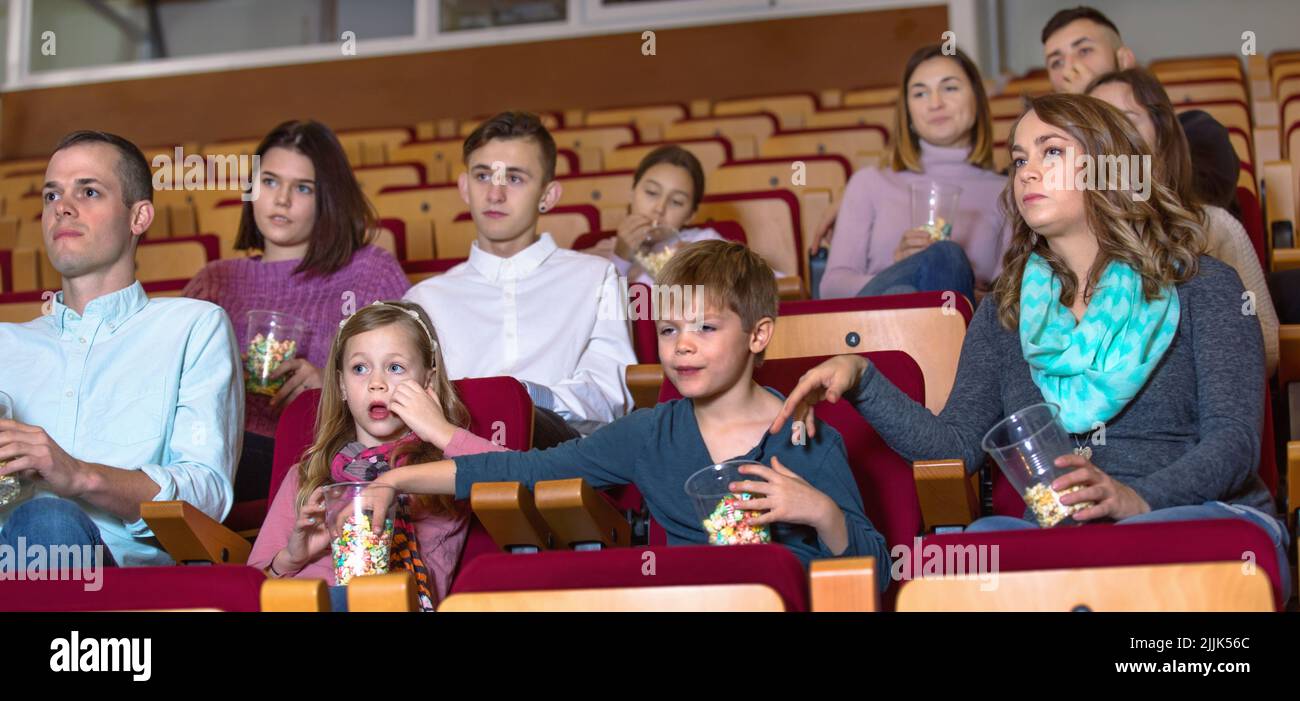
x=128 y=414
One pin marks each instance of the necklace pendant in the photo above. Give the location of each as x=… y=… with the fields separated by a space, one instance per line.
x=1085 y=451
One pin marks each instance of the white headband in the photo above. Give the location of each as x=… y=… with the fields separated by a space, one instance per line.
x=410 y=312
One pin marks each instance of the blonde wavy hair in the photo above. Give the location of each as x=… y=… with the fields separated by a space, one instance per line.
x=1160 y=238
x=335 y=427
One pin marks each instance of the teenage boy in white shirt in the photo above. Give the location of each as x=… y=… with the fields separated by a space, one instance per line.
x=521 y=306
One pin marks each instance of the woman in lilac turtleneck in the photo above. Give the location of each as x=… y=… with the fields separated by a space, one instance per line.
x=942 y=133
x=310 y=221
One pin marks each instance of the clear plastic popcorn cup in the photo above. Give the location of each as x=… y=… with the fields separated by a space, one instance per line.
x=653 y=254
x=356 y=549
x=1026 y=445
x=273 y=337
x=12 y=489
x=934 y=206
x=721 y=511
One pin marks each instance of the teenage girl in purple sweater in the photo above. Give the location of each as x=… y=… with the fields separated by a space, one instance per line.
x=310 y=224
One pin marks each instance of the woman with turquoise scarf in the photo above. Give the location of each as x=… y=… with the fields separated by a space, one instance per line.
x=1107 y=307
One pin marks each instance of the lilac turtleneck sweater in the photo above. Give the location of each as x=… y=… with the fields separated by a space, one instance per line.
x=240 y=285
x=877 y=209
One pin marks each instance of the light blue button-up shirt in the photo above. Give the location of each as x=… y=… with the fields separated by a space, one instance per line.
x=139 y=384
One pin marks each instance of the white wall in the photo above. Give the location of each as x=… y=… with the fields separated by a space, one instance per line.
x=1160 y=28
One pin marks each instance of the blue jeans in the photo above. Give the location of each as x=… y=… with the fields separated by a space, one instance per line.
x=51 y=521
x=338 y=599
x=941 y=266
x=1209 y=510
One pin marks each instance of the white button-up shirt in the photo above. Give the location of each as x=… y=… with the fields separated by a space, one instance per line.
x=136 y=384
x=535 y=317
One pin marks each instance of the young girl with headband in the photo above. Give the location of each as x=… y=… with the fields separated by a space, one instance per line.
x=385 y=403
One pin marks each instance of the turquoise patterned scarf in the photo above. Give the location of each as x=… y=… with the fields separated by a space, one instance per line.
x=1093 y=368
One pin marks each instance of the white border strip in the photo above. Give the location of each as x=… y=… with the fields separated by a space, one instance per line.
x=428 y=37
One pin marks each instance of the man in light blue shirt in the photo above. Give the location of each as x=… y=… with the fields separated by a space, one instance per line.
x=118 y=399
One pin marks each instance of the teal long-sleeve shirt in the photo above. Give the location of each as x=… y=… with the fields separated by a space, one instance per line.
x=657 y=449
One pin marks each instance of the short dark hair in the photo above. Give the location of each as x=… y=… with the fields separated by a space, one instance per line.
x=1066 y=16
x=673 y=154
x=132 y=167
x=514 y=125
x=343 y=214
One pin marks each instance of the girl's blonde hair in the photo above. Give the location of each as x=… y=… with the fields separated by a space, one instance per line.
x=335 y=427
x=1159 y=237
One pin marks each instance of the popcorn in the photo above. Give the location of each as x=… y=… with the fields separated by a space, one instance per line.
x=1047 y=507
x=357 y=551
x=729 y=523
x=653 y=260
x=940 y=230
x=10 y=487
x=264 y=355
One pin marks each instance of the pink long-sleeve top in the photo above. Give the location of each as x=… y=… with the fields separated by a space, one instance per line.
x=877 y=209
x=440 y=537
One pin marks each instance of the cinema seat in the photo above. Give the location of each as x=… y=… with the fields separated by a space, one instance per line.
x=375 y=178
x=609 y=191
x=875 y=96
x=438 y=156
x=593 y=143
x=19 y=307
x=852 y=143
x=715 y=598
x=711 y=153
x=1205 y=90
x=771 y=566
x=417 y=270
x=820 y=181
x=372 y=146
x=422 y=209
x=220 y=588
x=1244 y=546
x=791 y=110
x=650 y=120
x=744 y=132
x=174 y=259
x=770 y=220
x=882 y=117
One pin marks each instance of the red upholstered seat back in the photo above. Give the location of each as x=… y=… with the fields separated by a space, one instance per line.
x=225 y=587
x=499 y=408
x=1108 y=545
x=884 y=478
x=772 y=565
x=1253 y=221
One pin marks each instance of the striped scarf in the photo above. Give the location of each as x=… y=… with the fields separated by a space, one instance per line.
x=1092 y=368
x=357 y=463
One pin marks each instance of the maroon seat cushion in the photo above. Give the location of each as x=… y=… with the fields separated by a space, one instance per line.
x=225 y=587
x=682 y=565
x=1109 y=545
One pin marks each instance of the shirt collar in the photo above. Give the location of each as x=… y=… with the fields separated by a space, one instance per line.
x=113 y=308
x=519 y=265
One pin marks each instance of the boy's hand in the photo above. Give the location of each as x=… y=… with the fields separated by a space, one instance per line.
x=1110 y=498
x=828 y=381
x=418 y=407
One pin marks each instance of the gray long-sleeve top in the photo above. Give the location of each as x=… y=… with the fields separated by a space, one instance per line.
x=1191 y=435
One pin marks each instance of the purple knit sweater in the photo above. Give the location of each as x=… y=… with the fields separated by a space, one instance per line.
x=240 y=285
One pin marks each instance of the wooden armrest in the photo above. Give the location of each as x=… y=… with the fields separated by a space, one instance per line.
x=1293 y=476
x=1288 y=366
x=189 y=535
x=947 y=494
x=1286 y=259
x=685 y=599
x=508 y=513
x=382 y=593
x=844 y=584
x=644 y=381
x=295 y=596
x=579 y=516
x=790 y=287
